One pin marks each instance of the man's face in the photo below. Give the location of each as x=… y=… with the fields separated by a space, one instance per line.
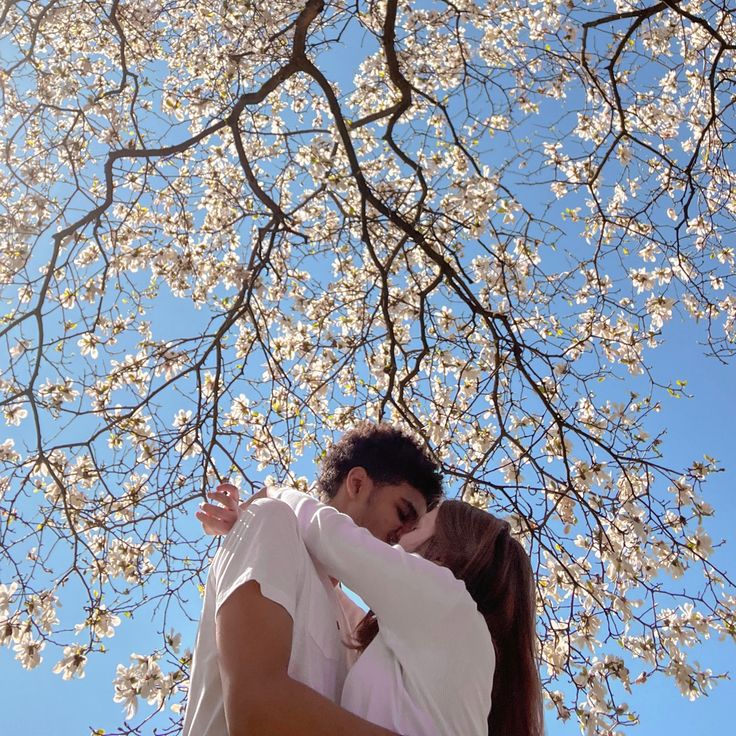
x=391 y=510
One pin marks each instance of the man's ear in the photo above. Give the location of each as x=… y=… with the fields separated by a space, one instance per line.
x=358 y=483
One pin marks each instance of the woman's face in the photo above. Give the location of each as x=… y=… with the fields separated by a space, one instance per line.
x=414 y=540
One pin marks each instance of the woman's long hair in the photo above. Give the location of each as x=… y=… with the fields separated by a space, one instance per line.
x=479 y=550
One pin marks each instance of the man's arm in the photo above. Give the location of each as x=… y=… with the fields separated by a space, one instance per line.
x=253 y=646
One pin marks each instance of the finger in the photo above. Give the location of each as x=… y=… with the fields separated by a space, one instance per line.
x=212 y=526
x=217 y=512
x=205 y=521
x=225 y=499
x=229 y=489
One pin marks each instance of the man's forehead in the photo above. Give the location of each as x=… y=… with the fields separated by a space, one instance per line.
x=406 y=494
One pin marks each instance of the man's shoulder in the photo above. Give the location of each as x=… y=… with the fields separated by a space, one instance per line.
x=265 y=536
x=263 y=523
x=269 y=511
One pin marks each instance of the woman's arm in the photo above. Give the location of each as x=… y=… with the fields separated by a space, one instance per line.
x=410 y=596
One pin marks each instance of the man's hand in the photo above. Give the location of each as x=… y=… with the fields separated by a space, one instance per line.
x=220 y=516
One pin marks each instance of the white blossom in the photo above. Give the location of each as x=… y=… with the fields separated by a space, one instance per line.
x=72 y=664
x=28 y=653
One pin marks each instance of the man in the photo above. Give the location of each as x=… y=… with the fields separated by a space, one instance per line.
x=269 y=657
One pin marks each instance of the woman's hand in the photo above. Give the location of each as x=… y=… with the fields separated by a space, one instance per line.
x=415 y=540
x=220 y=516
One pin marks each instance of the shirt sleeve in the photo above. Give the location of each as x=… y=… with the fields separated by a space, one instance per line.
x=410 y=596
x=262 y=546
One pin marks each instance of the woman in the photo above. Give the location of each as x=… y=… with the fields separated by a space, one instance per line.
x=448 y=648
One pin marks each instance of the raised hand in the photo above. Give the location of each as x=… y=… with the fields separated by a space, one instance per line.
x=220 y=516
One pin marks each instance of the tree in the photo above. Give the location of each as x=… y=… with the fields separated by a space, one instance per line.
x=230 y=230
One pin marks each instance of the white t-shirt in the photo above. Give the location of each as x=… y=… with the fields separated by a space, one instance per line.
x=265 y=546
x=429 y=671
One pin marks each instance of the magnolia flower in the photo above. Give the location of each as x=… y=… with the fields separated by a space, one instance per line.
x=101 y=621
x=72 y=664
x=41 y=609
x=28 y=653
x=6 y=596
x=173 y=641
x=88 y=344
x=15 y=414
x=10 y=630
x=143 y=679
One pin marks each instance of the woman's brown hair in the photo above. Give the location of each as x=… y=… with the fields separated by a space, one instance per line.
x=479 y=550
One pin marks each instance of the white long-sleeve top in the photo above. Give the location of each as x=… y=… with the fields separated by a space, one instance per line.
x=429 y=671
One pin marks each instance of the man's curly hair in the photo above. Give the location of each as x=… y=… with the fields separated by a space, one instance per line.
x=387 y=454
